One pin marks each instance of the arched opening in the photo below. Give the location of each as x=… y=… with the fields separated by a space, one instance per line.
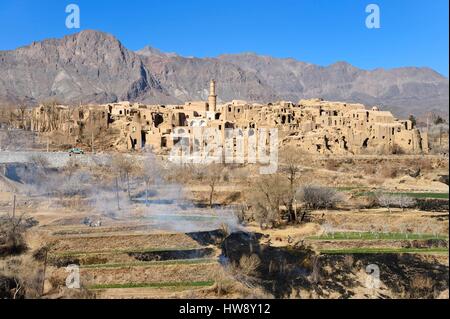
x=365 y=143
x=181 y=119
x=229 y=125
x=157 y=119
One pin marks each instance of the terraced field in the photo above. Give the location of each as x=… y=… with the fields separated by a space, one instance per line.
x=376 y=236
x=379 y=243
x=134 y=265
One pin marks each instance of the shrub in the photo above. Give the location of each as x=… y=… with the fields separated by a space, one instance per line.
x=432 y=205
x=332 y=165
x=318 y=197
x=10 y=288
x=12 y=241
x=249 y=264
x=397 y=150
x=421 y=286
x=388 y=172
x=399 y=201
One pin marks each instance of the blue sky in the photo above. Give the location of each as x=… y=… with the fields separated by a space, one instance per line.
x=412 y=33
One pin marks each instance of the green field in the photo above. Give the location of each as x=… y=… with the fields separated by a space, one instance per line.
x=375 y=236
x=385 y=251
x=413 y=195
x=119 y=251
x=154 y=285
x=409 y=194
x=151 y=263
x=428 y=195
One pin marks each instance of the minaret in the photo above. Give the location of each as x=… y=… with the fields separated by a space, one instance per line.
x=212 y=99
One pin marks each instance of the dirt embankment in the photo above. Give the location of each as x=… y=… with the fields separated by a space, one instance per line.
x=299 y=272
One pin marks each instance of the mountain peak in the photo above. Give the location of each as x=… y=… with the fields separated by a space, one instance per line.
x=151 y=51
x=93 y=66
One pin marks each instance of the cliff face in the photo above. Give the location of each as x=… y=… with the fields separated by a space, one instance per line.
x=86 y=67
x=95 y=67
x=402 y=90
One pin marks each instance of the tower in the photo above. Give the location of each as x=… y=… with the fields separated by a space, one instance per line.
x=212 y=98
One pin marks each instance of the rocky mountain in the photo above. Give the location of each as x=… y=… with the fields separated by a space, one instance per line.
x=92 y=66
x=404 y=90
x=86 y=67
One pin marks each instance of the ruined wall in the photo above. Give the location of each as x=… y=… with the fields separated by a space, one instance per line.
x=315 y=126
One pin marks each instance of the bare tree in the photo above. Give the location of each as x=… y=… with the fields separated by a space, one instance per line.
x=39 y=161
x=319 y=197
x=6 y=112
x=22 y=112
x=328 y=229
x=401 y=201
x=386 y=200
x=53 y=114
x=11 y=235
x=249 y=264
x=71 y=167
x=213 y=175
x=148 y=172
x=316 y=269
x=126 y=167
x=92 y=131
x=267 y=198
x=291 y=169
x=404 y=202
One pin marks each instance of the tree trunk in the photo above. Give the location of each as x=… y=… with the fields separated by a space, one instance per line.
x=292 y=216
x=128 y=186
x=303 y=215
x=211 y=197
x=117 y=193
x=146 y=193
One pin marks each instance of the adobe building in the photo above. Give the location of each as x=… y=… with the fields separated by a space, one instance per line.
x=314 y=126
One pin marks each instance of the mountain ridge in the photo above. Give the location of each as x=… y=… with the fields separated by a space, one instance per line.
x=95 y=67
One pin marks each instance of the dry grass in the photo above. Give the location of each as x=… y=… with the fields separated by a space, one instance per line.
x=157 y=273
x=420 y=286
x=332 y=165
x=387 y=171
x=249 y=264
x=348 y=262
x=123 y=242
x=27 y=273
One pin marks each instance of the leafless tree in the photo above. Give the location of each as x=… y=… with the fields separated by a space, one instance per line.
x=213 y=175
x=386 y=200
x=22 y=115
x=53 y=114
x=11 y=235
x=291 y=168
x=404 y=202
x=39 y=161
x=328 y=229
x=401 y=201
x=267 y=198
x=316 y=269
x=126 y=167
x=249 y=264
x=148 y=171
x=71 y=167
x=319 y=197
